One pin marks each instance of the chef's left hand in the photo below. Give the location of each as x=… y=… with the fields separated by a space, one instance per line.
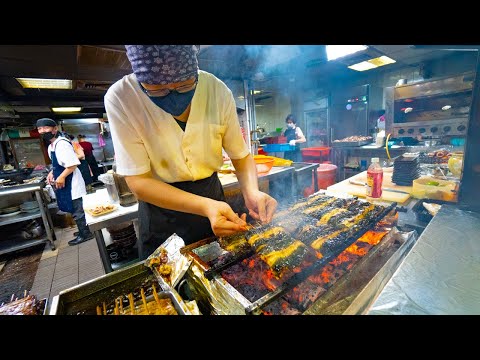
x=261 y=206
x=292 y=142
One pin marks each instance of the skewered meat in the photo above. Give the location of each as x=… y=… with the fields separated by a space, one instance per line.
x=27 y=305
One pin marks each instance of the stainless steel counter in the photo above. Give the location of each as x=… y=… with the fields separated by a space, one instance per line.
x=441 y=274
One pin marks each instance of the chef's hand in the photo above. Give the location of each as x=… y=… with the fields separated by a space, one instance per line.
x=60 y=182
x=261 y=206
x=292 y=142
x=224 y=221
x=50 y=178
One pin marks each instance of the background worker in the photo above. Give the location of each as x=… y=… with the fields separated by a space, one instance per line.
x=294 y=136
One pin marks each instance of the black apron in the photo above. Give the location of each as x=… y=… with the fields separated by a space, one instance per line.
x=157 y=224
x=295 y=154
x=63 y=195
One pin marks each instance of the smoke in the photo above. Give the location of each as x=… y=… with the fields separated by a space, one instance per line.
x=265 y=59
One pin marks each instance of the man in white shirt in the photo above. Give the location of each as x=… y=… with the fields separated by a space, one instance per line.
x=66 y=178
x=169 y=121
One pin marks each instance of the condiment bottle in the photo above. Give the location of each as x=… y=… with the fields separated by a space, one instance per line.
x=374 y=180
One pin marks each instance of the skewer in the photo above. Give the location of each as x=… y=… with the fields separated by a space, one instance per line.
x=155 y=295
x=104 y=308
x=132 y=304
x=115 y=311
x=120 y=300
x=142 y=292
x=99 y=310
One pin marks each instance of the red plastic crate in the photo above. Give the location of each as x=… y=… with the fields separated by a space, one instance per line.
x=316 y=151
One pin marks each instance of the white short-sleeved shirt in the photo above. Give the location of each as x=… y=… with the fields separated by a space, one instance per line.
x=147 y=138
x=66 y=157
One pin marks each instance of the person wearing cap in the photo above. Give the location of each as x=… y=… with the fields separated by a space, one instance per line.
x=65 y=176
x=169 y=121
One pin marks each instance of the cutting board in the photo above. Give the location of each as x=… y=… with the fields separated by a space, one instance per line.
x=360 y=191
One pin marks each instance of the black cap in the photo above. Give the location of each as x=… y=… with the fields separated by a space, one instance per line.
x=46 y=122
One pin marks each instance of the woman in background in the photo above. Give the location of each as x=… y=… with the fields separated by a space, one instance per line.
x=83 y=167
x=89 y=157
x=294 y=136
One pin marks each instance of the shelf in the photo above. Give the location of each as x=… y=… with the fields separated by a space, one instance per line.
x=14 y=244
x=19 y=217
x=126 y=262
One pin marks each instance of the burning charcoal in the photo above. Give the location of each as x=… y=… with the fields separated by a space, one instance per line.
x=280 y=307
x=304 y=295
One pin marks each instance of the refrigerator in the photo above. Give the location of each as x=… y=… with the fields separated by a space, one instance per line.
x=316 y=120
x=354 y=110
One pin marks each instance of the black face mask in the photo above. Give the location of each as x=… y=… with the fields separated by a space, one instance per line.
x=174 y=103
x=46 y=137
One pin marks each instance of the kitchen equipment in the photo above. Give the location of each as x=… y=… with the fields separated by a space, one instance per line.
x=355 y=182
x=82 y=299
x=351 y=109
x=246 y=287
x=427 y=99
x=344 y=187
x=427 y=187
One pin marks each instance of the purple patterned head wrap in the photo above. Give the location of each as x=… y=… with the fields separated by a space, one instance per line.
x=163 y=64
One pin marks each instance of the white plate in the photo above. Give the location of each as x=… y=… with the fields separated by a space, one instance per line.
x=10 y=214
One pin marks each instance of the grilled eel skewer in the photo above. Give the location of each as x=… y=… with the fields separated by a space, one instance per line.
x=278 y=249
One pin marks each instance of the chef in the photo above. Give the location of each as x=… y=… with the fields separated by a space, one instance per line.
x=169 y=121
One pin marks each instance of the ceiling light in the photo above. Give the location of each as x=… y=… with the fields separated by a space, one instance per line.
x=337 y=51
x=382 y=60
x=364 y=65
x=256 y=92
x=66 y=109
x=31 y=83
x=372 y=63
x=446 y=107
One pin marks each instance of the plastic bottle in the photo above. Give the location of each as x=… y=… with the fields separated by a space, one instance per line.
x=374 y=180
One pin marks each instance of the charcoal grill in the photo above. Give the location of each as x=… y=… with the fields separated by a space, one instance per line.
x=350 y=293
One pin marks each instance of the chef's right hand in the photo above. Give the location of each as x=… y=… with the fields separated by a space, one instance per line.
x=224 y=221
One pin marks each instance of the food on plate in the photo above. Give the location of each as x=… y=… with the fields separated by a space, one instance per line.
x=354 y=138
x=101 y=209
x=432 y=208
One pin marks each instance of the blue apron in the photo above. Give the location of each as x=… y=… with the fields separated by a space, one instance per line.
x=64 y=195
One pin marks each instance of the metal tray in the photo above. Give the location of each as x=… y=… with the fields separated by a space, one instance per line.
x=162 y=295
x=85 y=297
x=351 y=143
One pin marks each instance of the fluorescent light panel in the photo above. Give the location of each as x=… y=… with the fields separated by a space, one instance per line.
x=35 y=83
x=337 y=51
x=372 y=63
x=66 y=109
